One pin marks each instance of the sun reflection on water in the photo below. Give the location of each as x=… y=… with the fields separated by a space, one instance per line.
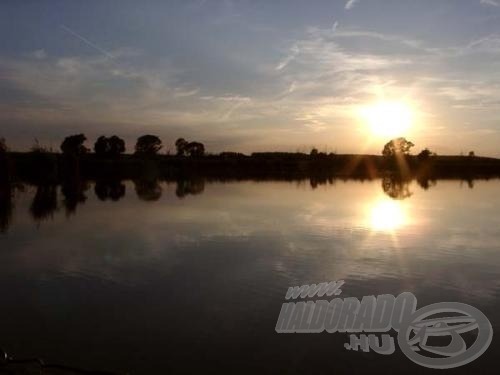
x=387 y=215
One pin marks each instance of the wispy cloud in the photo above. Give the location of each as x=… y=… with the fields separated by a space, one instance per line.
x=289 y=58
x=350 y=4
x=335 y=26
x=346 y=33
x=233 y=102
x=93 y=87
x=39 y=54
x=87 y=42
x=494 y=3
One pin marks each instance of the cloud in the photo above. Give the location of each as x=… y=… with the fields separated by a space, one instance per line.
x=39 y=54
x=87 y=42
x=488 y=44
x=233 y=103
x=95 y=88
x=320 y=51
x=294 y=51
x=350 y=4
x=326 y=80
x=356 y=33
x=494 y=3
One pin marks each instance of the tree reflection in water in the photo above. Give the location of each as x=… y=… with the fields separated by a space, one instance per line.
x=44 y=203
x=109 y=189
x=396 y=188
x=6 y=206
x=148 y=189
x=191 y=186
x=73 y=191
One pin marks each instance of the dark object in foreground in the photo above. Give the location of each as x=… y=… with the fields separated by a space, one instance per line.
x=9 y=365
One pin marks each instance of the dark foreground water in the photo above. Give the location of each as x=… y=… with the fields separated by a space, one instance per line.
x=190 y=277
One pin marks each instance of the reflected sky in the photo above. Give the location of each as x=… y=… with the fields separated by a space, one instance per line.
x=154 y=265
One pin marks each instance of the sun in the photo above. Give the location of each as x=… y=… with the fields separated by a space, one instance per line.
x=388 y=119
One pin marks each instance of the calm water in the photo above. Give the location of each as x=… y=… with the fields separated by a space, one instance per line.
x=191 y=277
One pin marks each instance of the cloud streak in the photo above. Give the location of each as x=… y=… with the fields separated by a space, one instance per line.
x=350 y=4
x=490 y=2
x=87 y=42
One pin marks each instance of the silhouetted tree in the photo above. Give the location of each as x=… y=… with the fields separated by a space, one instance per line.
x=101 y=146
x=116 y=145
x=397 y=146
x=185 y=148
x=195 y=149
x=111 y=147
x=471 y=154
x=314 y=152
x=148 y=145
x=425 y=154
x=180 y=145
x=73 y=145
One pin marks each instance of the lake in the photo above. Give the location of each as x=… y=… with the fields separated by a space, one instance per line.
x=182 y=277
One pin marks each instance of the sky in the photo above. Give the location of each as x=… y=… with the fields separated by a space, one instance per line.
x=251 y=75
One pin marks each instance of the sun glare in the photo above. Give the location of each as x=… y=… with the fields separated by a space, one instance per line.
x=387 y=215
x=388 y=118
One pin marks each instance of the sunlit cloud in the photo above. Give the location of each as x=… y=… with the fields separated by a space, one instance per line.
x=350 y=4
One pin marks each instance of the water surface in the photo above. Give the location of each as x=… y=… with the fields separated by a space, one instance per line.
x=190 y=276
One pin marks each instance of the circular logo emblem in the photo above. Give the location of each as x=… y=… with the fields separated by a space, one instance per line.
x=453 y=320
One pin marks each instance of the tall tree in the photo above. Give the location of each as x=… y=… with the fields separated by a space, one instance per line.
x=73 y=145
x=195 y=149
x=101 y=146
x=425 y=154
x=185 y=148
x=148 y=145
x=112 y=146
x=116 y=145
x=180 y=145
x=397 y=146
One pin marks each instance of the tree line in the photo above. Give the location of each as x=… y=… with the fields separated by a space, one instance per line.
x=114 y=146
x=401 y=146
x=151 y=144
